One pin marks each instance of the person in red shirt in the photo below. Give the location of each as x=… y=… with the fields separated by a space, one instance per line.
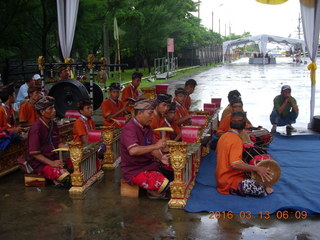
x=84 y=123
x=27 y=112
x=230 y=172
x=182 y=115
x=141 y=156
x=169 y=122
x=113 y=107
x=7 y=114
x=131 y=91
x=161 y=109
x=189 y=86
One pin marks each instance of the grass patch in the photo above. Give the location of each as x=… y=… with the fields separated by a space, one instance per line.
x=126 y=76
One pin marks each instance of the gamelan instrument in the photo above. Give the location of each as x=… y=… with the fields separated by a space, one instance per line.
x=254 y=155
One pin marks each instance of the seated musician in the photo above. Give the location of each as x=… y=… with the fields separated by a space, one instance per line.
x=140 y=153
x=64 y=72
x=42 y=139
x=230 y=172
x=113 y=107
x=182 y=115
x=237 y=106
x=159 y=112
x=189 y=86
x=27 y=112
x=131 y=91
x=169 y=122
x=231 y=95
x=7 y=114
x=84 y=123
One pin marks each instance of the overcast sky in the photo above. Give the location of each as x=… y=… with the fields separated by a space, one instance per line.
x=251 y=16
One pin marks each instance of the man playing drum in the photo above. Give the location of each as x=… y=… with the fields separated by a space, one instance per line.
x=140 y=153
x=230 y=172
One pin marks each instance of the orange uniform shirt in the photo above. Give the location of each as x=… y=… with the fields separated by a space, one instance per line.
x=224 y=125
x=181 y=111
x=226 y=112
x=157 y=122
x=188 y=103
x=229 y=153
x=27 y=113
x=176 y=130
x=129 y=92
x=110 y=107
x=81 y=127
x=7 y=117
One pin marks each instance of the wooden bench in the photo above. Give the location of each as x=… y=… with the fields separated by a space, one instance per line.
x=127 y=190
x=34 y=180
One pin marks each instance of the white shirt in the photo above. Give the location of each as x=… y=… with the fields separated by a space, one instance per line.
x=23 y=92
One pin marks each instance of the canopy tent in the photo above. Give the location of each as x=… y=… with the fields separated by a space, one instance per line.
x=310 y=14
x=262 y=41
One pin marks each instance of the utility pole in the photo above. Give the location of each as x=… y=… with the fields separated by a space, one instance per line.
x=219 y=25
x=299 y=28
x=212 y=21
x=198 y=8
x=225 y=29
x=229 y=28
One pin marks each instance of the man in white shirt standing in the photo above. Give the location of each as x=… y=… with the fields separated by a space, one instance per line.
x=23 y=90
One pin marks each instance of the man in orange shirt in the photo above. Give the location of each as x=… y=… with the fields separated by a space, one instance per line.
x=113 y=107
x=237 y=106
x=230 y=172
x=182 y=115
x=7 y=114
x=169 y=122
x=189 y=86
x=131 y=91
x=231 y=95
x=27 y=112
x=159 y=112
x=84 y=123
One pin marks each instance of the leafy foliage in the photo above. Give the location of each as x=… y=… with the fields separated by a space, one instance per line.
x=29 y=28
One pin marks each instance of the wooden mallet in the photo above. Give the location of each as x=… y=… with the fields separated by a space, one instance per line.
x=163 y=131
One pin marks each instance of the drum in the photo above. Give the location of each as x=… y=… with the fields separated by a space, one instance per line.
x=275 y=169
x=254 y=155
x=260 y=137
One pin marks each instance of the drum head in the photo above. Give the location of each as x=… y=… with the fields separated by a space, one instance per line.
x=274 y=167
x=97 y=94
x=67 y=93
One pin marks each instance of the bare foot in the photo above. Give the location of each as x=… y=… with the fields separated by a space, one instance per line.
x=269 y=190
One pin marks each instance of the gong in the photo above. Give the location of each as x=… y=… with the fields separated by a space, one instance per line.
x=68 y=92
x=97 y=94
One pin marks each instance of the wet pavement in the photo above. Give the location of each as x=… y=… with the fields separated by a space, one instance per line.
x=49 y=213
